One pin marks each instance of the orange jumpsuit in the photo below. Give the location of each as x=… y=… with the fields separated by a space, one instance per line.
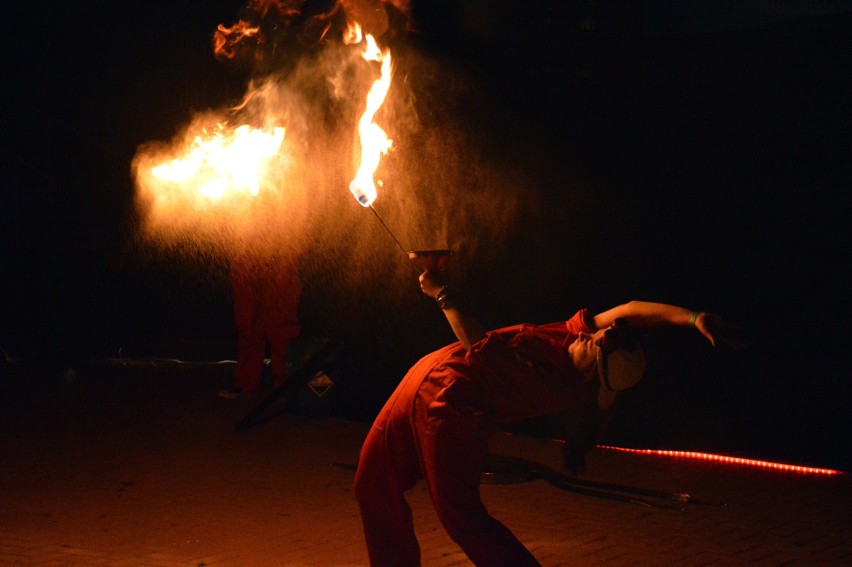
x=266 y=302
x=436 y=425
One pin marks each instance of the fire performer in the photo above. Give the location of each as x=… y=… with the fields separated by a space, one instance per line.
x=437 y=422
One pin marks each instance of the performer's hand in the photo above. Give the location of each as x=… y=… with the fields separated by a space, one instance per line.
x=718 y=332
x=432 y=282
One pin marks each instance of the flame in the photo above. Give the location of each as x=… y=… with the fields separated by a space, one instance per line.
x=227 y=189
x=353 y=34
x=222 y=162
x=227 y=39
x=374 y=142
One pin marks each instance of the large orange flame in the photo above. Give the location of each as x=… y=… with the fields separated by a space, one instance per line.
x=230 y=189
x=219 y=164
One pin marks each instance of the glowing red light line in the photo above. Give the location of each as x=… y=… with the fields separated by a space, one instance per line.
x=724 y=459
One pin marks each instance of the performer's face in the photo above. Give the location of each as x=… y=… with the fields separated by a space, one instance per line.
x=583 y=351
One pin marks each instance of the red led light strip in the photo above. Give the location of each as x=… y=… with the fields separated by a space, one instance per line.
x=724 y=459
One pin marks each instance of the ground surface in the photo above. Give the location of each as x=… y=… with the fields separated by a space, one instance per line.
x=142 y=466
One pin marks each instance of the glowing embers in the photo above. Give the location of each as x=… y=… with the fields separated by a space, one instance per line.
x=725 y=459
x=223 y=161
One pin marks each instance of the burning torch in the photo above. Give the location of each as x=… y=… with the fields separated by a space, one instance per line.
x=374 y=144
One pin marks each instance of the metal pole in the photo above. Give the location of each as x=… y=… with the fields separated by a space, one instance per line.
x=398 y=243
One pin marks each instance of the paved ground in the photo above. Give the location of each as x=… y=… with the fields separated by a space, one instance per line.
x=142 y=466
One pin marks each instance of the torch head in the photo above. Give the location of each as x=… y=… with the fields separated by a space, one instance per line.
x=434 y=260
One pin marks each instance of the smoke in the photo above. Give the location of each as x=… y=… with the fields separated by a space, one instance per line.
x=439 y=187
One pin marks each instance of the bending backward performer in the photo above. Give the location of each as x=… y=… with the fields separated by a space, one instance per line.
x=437 y=422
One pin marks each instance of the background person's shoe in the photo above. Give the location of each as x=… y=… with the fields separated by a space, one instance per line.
x=231 y=393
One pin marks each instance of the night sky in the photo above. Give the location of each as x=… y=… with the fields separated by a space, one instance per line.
x=691 y=156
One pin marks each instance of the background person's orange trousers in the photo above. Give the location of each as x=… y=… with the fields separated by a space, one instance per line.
x=266 y=304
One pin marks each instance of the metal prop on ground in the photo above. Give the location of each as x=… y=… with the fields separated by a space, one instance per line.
x=510 y=470
x=311 y=363
x=513 y=470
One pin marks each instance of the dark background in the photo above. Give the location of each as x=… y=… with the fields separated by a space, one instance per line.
x=686 y=154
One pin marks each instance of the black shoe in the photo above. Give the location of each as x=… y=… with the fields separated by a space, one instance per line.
x=231 y=393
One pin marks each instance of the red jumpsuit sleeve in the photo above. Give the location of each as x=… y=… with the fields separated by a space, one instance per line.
x=581 y=321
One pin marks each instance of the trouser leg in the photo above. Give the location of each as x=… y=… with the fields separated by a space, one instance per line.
x=386 y=470
x=250 y=341
x=282 y=294
x=454 y=453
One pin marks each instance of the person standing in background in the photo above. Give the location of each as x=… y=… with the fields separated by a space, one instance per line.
x=266 y=290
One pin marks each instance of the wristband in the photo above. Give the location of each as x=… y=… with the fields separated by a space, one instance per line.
x=443 y=298
x=693 y=317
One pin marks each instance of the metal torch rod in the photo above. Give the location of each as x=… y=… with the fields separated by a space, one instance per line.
x=398 y=243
